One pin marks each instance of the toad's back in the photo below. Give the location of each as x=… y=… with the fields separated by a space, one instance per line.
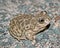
x=20 y=25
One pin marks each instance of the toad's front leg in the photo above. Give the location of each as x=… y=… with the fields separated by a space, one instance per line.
x=31 y=37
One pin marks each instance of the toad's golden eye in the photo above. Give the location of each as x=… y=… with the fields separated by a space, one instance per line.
x=41 y=20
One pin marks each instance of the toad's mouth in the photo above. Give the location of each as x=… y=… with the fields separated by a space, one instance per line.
x=43 y=29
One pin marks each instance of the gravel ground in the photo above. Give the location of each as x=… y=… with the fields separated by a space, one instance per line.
x=47 y=39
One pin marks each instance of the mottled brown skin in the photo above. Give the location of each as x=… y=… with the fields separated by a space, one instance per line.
x=26 y=26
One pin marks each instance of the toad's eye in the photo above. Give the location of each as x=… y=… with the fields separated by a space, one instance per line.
x=41 y=20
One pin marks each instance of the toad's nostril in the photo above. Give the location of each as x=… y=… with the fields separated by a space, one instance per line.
x=47 y=21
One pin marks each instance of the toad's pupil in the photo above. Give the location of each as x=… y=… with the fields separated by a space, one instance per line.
x=41 y=20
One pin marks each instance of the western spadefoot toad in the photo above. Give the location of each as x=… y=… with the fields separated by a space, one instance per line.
x=26 y=26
